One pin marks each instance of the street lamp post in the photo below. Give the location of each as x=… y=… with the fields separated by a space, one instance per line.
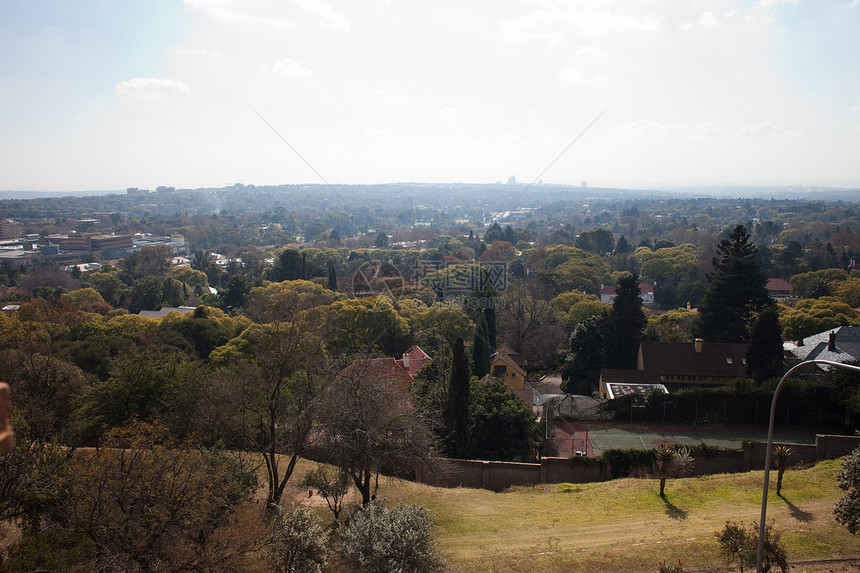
x=767 y=455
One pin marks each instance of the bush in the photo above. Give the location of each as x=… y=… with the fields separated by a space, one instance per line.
x=624 y=462
x=332 y=484
x=847 y=509
x=740 y=545
x=298 y=542
x=382 y=540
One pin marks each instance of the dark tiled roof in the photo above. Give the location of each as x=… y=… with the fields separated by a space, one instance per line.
x=716 y=359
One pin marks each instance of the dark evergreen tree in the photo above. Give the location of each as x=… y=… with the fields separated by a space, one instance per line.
x=581 y=370
x=146 y=294
x=481 y=348
x=503 y=426
x=509 y=235
x=490 y=318
x=764 y=349
x=625 y=324
x=494 y=233
x=458 y=441
x=597 y=241
x=287 y=267
x=623 y=246
x=480 y=250
x=332 y=277
x=489 y=296
x=234 y=296
x=736 y=290
x=172 y=292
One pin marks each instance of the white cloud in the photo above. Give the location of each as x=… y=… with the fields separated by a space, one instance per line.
x=772 y=3
x=384 y=94
x=766 y=130
x=573 y=75
x=521 y=30
x=590 y=52
x=150 y=88
x=292 y=69
x=220 y=10
x=705 y=20
x=321 y=8
x=707 y=130
x=708 y=20
x=650 y=129
x=581 y=23
x=379 y=131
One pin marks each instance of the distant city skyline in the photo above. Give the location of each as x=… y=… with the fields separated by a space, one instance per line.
x=207 y=93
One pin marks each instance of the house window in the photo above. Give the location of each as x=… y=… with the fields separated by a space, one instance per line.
x=728 y=360
x=513 y=375
x=500 y=370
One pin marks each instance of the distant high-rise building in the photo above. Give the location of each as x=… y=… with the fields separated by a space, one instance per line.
x=584 y=184
x=10 y=229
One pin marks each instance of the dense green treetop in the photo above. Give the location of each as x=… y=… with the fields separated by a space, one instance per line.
x=736 y=290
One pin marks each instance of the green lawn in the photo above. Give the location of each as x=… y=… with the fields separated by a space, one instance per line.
x=623 y=525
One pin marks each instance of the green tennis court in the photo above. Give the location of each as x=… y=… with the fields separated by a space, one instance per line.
x=603 y=439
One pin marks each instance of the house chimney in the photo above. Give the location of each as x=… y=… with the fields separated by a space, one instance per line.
x=800 y=335
x=699 y=343
x=831 y=344
x=406 y=361
x=689 y=306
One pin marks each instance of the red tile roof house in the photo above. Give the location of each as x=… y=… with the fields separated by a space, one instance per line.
x=402 y=370
x=646 y=293
x=413 y=360
x=778 y=289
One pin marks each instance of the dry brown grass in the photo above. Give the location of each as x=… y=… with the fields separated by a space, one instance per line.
x=623 y=525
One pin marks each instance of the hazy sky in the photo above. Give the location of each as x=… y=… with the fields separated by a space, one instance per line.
x=108 y=94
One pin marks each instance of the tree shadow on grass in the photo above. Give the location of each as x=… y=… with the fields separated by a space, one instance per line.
x=797 y=513
x=673 y=511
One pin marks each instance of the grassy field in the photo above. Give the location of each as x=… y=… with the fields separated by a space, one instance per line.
x=623 y=525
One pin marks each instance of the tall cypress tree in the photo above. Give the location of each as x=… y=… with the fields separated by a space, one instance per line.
x=490 y=318
x=624 y=326
x=481 y=348
x=458 y=438
x=736 y=290
x=764 y=349
x=332 y=277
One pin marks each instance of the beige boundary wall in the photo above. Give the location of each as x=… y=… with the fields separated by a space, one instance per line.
x=498 y=476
